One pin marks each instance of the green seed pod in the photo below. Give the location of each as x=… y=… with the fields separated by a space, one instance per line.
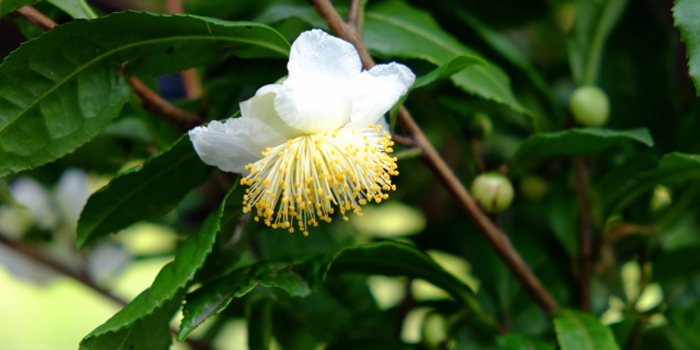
x=480 y=126
x=590 y=106
x=492 y=191
x=434 y=331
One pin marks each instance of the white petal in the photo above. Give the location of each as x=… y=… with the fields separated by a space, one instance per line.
x=377 y=90
x=315 y=106
x=233 y=144
x=315 y=52
x=317 y=96
x=262 y=107
x=384 y=122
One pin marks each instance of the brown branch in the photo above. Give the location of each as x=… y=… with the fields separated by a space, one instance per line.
x=151 y=101
x=159 y=106
x=403 y=141
x=36 y=18
x=585 y=243
x=497 y=238
x=31 y=253
x=337 y=26
x=354 y=13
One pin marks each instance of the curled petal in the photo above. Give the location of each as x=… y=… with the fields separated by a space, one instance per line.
x=233 y=144
x=262 y=107
x=377 y=90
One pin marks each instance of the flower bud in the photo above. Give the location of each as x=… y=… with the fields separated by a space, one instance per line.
x=492 y=191
x=590 y=106
x=480 y=126
x=434 y=331
x=661 y=198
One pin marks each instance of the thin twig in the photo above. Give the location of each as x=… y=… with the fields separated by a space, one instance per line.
x=403 y=141
x=354 y=13
x=159 y=106
x=498 y=240
x=476 y=151
x=150 y=99
x=585 y=244
x=31 y=253
x=36 y=18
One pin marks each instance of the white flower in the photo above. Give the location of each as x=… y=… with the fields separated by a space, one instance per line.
x=314 y=141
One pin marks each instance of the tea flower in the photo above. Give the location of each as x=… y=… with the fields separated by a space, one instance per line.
x=314 y=142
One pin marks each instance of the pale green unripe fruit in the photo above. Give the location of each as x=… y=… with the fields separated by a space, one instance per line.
x=434 y=331
x=590 y=106
x=492 y=191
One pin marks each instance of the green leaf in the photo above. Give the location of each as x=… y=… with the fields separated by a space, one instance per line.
x=577 y=330
x=232 y=241
x=171 y=279
x=394 y=29
x=295 y=277
x=677 y=265
x=398 y=259
x=75 y=8
x=575 y=142
x=674 y=169
x=11 y=5
x=208 y=301
x=150 y=333
x=686 y=321
x=594 y=22
x=455 y=65
x=281 y=11
x=142 y=192
x=298 y=277
x=259 y=324
x=76 y=85
x=501 y=44
x=685 y=15
x=514 y=341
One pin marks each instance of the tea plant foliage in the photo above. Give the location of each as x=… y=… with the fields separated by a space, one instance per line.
x=604 y=220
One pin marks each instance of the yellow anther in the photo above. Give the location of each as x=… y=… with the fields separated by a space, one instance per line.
x=327 y=172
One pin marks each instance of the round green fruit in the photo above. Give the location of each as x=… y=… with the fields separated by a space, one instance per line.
x=590 y=106
x=493 y=192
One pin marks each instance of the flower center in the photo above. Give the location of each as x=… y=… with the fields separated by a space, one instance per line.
x=306 y=177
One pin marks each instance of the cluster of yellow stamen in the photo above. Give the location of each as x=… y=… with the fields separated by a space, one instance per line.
x=302 y=180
